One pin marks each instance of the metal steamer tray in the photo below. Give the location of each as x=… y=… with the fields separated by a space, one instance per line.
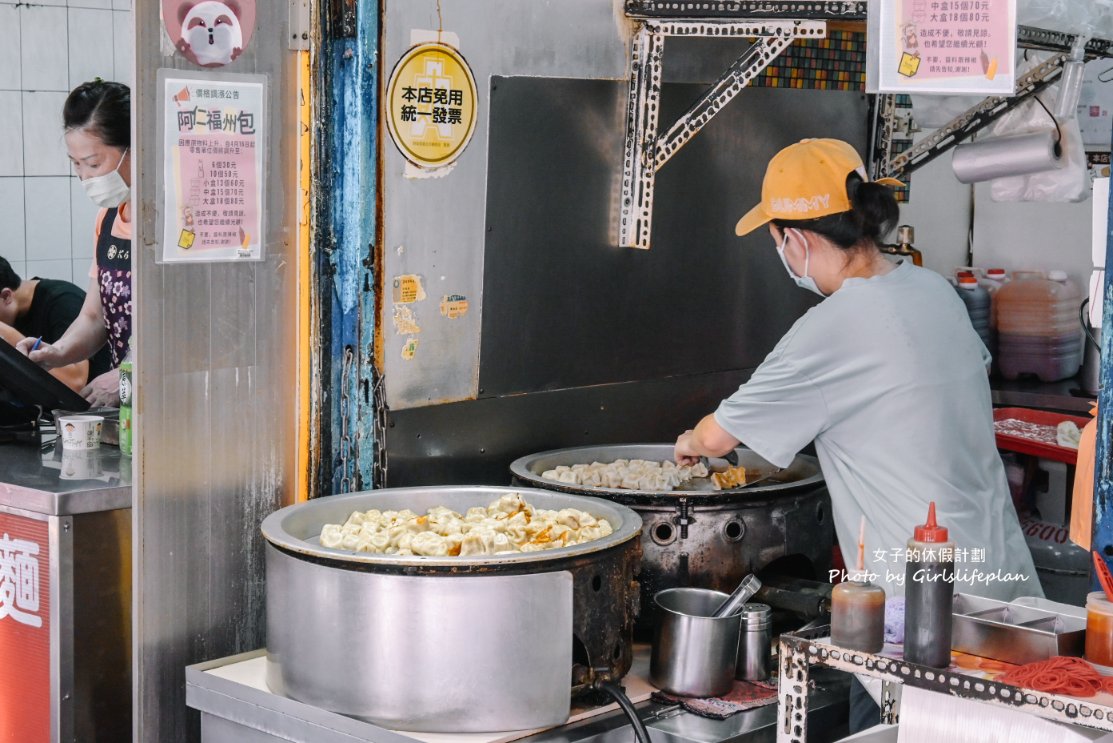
x=447 y=644
x=803 y=472
x=1014 y=633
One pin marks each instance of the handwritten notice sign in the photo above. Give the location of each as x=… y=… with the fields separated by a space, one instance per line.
x=214 y=134
x=946 y=46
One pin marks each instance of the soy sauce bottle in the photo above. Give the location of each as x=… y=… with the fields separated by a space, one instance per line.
x=929 y=594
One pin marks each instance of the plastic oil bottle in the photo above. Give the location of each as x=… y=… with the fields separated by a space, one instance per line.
x=858 y=608
x=929 y=594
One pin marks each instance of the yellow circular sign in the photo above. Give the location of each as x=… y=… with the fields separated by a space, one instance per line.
x=431 y=105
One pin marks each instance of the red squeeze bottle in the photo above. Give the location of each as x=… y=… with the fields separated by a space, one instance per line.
x=929 y=594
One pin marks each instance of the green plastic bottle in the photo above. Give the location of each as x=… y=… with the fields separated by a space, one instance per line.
x=125 y=407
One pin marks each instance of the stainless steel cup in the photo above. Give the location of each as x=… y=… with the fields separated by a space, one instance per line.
x=756 y=643
x=694 y=654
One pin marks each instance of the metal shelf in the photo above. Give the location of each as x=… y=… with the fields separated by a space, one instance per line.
x=801 y=650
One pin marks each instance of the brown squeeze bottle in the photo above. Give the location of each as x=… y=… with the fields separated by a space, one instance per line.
x=858 y=609
x=929 y=595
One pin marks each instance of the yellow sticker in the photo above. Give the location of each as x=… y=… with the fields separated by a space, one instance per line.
x=909 y=64
x=408 y=289
x=409 y=349
x=405 y=322
x=185 y=239
x=454 y=306
x=431 y=105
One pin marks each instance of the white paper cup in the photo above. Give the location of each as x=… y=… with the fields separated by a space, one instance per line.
x=80 y=464
x=80 y=432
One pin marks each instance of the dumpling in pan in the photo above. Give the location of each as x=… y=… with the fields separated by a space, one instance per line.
x=331 y=536
x=428 y=543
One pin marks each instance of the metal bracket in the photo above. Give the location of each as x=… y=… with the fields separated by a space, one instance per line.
x=804 y=648
x=645 y=151
x=300 y=20
x=969 y=122
x=890 y=702
x=847 y=10
x=966 y=124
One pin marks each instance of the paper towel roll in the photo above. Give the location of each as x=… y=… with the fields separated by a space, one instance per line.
x=1000 y=157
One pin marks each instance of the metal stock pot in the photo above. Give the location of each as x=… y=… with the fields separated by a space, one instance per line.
x=446 y=644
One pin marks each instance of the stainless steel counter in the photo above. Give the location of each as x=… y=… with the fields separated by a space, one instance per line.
x=56 y=483
x=237 y=707
x=65 y=594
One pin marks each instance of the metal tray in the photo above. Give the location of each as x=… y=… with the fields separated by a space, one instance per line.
x=1014 y=633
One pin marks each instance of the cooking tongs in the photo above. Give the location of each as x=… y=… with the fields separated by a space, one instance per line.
x=731 y=457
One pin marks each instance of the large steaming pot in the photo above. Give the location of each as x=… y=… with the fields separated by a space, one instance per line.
x=446 y=644
x=704 y=538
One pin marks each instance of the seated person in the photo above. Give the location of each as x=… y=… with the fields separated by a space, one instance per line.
x=34 y=308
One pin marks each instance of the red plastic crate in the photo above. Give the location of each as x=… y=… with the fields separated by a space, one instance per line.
x=1037 y=448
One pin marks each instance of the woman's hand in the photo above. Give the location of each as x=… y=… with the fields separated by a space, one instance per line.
x=684 y=452
x=708 y=439
x=104 y=391
x=46 y=355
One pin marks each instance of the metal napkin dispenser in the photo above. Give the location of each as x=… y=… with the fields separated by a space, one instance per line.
x=1014 y=633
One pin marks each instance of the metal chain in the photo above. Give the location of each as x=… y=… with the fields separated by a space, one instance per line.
x=378 y=402
x=345 y=437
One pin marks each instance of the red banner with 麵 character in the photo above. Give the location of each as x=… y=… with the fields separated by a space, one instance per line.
x=24 y=630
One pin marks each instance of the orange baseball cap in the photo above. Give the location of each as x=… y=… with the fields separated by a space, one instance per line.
x=807 y=180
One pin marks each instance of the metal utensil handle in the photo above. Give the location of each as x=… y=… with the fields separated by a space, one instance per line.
x=734 y=603
x=763 y=478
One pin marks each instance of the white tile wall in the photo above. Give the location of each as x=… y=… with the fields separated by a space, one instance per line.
x=11 y=124
x=91 y=46
x=123 y=46
x=83 y=216
x=44 y=149
x=9 y=50
x=62 y=270
x=20 y=268
x=48 y=220
x=11 y=216
x=43 y=33
x=81 y=268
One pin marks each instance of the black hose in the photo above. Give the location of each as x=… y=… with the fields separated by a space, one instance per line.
x=1085 y=321
x=616 y=693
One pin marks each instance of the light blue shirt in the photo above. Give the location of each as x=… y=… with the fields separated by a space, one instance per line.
x=888 y=377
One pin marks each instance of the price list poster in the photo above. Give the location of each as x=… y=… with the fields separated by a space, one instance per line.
x=214 y=137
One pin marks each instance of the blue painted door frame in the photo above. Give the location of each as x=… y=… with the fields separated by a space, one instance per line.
x=1103 y=466
x=347 y=218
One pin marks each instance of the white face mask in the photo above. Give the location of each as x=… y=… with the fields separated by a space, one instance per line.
x=805 y=281
x=108 y=190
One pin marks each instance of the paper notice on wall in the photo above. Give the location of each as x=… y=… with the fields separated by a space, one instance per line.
x=214 y=138
x=1095 y=104
x=944 y=46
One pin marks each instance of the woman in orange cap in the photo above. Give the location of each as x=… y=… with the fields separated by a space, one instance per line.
x=886 y=376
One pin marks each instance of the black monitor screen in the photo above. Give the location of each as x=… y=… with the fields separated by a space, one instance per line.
x=25 y=384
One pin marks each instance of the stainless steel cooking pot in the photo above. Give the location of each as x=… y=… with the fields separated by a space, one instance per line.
x=696 y=536
x=444 y=644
